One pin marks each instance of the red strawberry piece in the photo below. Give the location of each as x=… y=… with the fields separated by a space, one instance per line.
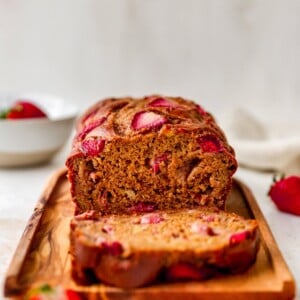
x=153 y=218
x=89 y=128
x=197 y=227
x=114 y=248
x=201 y=110
x=209 y=143
x=147 y=120
x=25 y=110
x=239 y=237
x=36 y=297
x=185 y=271
x=92 y=147
x=155 y=167
x=142 y=207
x=154 y=163
x=163 y=102
x=72 y=295
x=209 y=218
x=285 y=193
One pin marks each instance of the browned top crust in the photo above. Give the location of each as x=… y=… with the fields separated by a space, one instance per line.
x=127 y=117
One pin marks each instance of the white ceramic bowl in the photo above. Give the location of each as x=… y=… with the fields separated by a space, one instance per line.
x=25 y=142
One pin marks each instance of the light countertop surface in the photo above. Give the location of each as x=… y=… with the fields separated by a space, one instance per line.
x=20 y=189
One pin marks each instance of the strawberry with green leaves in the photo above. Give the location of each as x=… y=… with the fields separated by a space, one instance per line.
x=46 y=292
x=22 y=109
x=285 y=193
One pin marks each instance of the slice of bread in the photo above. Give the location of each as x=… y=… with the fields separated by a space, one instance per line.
x=135 y=250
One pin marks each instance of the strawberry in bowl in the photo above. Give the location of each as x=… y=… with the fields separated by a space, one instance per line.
x=33 y=128
x=23 y=109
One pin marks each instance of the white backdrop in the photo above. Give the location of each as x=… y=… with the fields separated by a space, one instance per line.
x=219 y=52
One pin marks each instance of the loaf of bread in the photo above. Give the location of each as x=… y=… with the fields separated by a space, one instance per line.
x=135 y=155
x=135 y=250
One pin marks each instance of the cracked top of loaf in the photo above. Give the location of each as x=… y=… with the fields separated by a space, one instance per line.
x=121 y=117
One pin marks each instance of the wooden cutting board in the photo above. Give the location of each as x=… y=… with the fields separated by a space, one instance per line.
x=42 y=257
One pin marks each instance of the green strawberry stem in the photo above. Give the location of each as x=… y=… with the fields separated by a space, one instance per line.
x=3 y=113
x=46 y=288
x=278 y=176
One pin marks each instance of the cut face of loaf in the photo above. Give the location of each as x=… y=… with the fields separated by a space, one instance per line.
x=135 y=250
x=151 y=153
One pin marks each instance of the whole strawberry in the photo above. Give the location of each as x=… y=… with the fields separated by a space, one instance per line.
x=47 y=292
x=285 y=193
x=23 y=110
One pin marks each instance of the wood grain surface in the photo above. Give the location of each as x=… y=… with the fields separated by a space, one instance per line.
x=42 y=257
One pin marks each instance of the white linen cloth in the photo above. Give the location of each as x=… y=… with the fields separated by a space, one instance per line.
x=263 y=145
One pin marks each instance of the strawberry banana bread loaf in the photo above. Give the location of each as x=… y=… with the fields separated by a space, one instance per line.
x=135 y=250
x=155 y=152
